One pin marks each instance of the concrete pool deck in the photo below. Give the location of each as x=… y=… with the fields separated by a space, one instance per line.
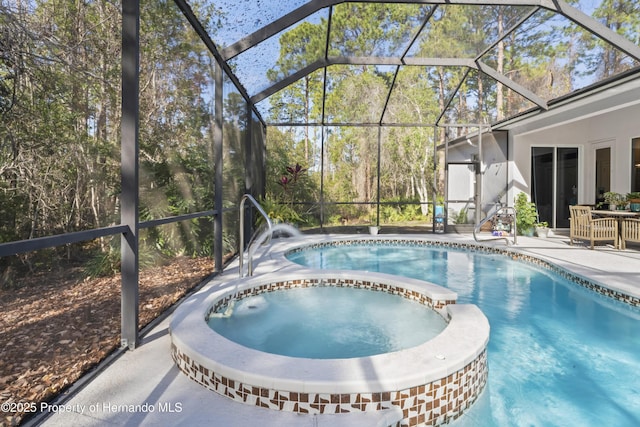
x=144 y=387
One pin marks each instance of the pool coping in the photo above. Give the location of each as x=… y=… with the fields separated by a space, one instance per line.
x=431 y=383
x=462 y=340
x=621 y=292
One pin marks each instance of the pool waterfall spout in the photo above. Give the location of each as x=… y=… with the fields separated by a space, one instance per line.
x=262 y=238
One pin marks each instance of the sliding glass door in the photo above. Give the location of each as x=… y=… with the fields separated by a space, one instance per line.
x=635 y=164
x=542 y=181
x=554 y=183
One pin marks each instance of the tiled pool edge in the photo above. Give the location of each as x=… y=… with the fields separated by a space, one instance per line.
x=441 y=396
x=437 y=304
x=434 y=403
x=590 y=284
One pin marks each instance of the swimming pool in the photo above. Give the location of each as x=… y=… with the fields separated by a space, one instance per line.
x=559 y=354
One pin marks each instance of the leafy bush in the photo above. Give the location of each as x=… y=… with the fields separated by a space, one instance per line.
x=400 y=211
x=614 y=198
x=104 y=264
x=461 y=217
x=280 y=212
x=526 y=214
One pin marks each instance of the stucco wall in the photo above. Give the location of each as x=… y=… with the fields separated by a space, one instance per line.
x=614 y=128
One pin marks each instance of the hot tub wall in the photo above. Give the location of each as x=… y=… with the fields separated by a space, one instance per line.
x=433 y=403
x=434 y=398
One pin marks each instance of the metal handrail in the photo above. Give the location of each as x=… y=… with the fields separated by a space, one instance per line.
x=498 y=210
x=255 y=203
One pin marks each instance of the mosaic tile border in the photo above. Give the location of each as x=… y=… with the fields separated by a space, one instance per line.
x=421 y=298
x=433 y=404
x=631 y=300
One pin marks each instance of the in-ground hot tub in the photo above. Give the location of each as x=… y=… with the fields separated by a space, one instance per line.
x=327 y=322
x=430 y=383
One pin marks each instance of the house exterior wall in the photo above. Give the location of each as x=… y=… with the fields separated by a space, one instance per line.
x=606 y=117
x=613 y=129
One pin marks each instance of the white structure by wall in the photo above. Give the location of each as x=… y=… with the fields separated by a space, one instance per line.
x=463 y=181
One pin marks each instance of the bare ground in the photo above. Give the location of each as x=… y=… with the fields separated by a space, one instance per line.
x=58 y=326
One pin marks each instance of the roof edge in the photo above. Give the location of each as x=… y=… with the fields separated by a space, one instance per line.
x=585 y=92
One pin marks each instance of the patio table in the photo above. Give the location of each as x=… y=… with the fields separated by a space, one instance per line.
x=619 y=215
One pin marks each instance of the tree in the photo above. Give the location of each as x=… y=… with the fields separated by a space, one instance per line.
x=299 y=47
x=60 y=109
x=407 y=154
x=620 y=16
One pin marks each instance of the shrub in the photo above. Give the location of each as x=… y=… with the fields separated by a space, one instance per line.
x=526 y=214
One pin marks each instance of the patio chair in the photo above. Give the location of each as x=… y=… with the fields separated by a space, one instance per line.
x=630 y=232
x=584 y=227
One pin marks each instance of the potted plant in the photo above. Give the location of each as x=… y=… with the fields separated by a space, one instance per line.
x=614 y=200
x=462 y=223
x=374 y=229
x=526 y=215
x=634 y=201
x=461 y=217
x=542 y=229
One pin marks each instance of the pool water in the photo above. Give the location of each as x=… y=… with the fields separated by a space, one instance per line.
x=329 y=322
x=559 y=354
